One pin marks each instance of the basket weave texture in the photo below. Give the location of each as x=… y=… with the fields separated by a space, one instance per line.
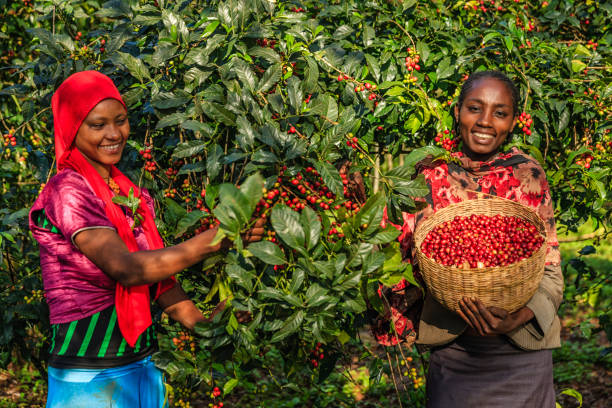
x=509 y=287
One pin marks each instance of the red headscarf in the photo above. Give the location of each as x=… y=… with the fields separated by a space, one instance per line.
x=71 y=103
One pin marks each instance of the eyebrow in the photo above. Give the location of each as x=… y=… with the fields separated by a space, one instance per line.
x=499 y=105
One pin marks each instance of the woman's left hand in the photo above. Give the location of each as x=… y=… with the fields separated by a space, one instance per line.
x=491 y=320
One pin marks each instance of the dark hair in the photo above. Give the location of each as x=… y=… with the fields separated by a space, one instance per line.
x=473 y=78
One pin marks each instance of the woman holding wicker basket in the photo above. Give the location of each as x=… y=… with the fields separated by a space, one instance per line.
x=483 y=355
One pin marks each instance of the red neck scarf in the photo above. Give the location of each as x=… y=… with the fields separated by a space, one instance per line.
x=71 y=104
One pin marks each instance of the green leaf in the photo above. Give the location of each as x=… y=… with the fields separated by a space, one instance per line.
x=230 y=197
x=372 y=211
x=166 y=100
x=191 y=168
x=341 y=32
x=423 y=50
x=213 y=161
x=578 y=65
x=330 y=176
x=187 y=222
x=174 y=22
x=509 y=43
x=315 y=295
x=311 y=76
x=286 y=223
x=267 y=252
x=413 y=188
x=195 y=77
x=264 y=156
x=269 y=78
x=345 y=283
x=196 y=126
x=291 y=325
x=372 y=262
x=266 y=53
x=188 y=149
x=219 y=113
x=373 y=66
x=230 y=385
x=171 y=120
x=240 y=276
x=389 y=234
x=445 y=69
x=312 y=227
x=246 y=76
x=252 y=189
x=326 y=107
x=295 y=93
x=135 y=66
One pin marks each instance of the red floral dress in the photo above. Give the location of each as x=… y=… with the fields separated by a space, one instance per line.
x=513 y=175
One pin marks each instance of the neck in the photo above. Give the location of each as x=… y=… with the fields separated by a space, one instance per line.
x=103 y=170
x=479 y=156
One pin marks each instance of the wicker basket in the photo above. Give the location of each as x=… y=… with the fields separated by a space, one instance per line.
x=508 y=287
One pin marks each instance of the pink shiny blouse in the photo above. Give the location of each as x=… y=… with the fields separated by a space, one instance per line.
x=75 y=288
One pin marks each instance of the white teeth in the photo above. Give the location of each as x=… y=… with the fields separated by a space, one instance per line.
x=111 y=147
x=483 y=135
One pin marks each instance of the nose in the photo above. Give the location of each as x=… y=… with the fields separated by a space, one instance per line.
x=485 y=118
x=114 y=132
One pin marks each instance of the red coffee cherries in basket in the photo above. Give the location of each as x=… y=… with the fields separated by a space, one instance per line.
x=478 y=241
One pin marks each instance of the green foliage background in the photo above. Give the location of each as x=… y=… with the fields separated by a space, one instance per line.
x=213 y=89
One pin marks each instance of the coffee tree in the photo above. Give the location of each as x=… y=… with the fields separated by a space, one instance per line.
x=243 y=110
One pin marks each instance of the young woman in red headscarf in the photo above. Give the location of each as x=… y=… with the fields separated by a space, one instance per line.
x=101 y=269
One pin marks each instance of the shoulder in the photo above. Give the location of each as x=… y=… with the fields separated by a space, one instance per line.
x=525 y=164
x=66 y=191
x=68 y=181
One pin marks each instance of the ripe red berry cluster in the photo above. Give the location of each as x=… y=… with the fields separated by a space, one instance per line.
x=592 y=44
x=78 y=36
x=264 y=42
x=216 y=393
x=524 y=123
x=316 y=355
x=10 y=139
x=298 y=10
x=481 y=241
x=292 y=130
x=352 y=141
x=529 y=27
x=412 y=60
x=102 y=44
x=446 y=140
x=150 y=165
x=585 y=160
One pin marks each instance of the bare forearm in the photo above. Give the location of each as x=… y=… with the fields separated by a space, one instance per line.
x=107 y=251
x=154 y=266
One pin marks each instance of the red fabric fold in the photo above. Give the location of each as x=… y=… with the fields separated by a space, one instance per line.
x=71 y=104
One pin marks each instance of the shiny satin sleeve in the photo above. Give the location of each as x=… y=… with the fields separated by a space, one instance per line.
x=72 y=206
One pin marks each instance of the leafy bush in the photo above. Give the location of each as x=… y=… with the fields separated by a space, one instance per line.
x=286 y=100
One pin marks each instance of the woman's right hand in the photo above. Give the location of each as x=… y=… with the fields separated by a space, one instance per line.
x=256 y=233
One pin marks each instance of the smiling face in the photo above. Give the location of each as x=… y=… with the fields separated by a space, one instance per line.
x=103 y=134
x=485 y=118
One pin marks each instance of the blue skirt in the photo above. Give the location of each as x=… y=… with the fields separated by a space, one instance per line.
x=135 y=385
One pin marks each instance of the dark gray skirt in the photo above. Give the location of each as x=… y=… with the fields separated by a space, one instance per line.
x=488 y=372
